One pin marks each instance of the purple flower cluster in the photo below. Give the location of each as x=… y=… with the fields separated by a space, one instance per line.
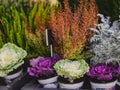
x=104 y=71
x=42 y=66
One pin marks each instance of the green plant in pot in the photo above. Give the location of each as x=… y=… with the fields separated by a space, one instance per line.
x=11 y=59
x=105 y=47
x=71 y=73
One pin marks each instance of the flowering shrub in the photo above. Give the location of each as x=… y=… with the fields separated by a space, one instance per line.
x=42 y=66
x=104 y=71
x=71 y=69
x=11 y=57
x=70 y=24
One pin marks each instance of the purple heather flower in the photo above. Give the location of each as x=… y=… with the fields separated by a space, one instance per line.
x=41 y=66
x=103 y=71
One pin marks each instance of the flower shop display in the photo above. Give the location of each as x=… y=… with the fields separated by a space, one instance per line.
x=42 y=69
x=71 y=73
x=11 y=60
x=105 y=59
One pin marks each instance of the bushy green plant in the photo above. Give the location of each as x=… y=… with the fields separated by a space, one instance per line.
x=12 y=24
x=71 y=69
x=11 y=57
x=25 y=25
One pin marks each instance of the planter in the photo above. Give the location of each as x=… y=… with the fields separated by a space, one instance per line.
x=65 y=84
x=118 y=81
x=13 y=75
x=71 y=86
x=103 y=86
x=49 y=83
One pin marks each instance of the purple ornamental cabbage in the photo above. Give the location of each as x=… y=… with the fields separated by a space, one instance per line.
x=42 y=66
x=104 y=71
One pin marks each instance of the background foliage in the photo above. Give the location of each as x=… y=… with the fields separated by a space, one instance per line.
x=23 y=22
x=109 y=8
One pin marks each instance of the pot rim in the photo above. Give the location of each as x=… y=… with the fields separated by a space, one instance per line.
x=13 y=76
x=48 y=81
x=103 y=85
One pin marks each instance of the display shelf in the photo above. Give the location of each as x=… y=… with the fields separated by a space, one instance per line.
x=27 y=83
x=34 y=85
x=16 y=84
x=4 y=88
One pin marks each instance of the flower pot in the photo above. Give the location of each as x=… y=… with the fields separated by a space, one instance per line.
x=65 y=84
x=49 y=83
x=118 y=81
x=103 y=86
x=13 y=75
x=71 y=86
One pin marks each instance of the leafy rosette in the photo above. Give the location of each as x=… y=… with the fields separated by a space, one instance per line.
x=43 y=66
x=11 y=57
x=71 y=69
x=103 y=71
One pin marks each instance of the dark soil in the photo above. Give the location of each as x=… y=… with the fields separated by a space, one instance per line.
x=15 y=70
x=102 y=81
x=46 y=77
x=66 y=80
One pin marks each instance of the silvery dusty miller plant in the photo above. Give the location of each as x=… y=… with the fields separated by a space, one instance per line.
x=106 y=41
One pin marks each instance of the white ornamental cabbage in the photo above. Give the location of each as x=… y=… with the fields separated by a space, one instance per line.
x=71 y=69
x=11 y=57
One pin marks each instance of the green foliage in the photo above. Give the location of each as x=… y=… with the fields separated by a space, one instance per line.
x=109 y=8
x=20 y=25
x=13 y=26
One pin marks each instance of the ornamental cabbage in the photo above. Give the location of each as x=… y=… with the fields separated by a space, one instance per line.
x=71 y=69
x=43 y=66
x=11 y=57
x=104 y=71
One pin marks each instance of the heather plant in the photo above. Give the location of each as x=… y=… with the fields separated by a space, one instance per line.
x=38 y=17
x=12 y=24
x=33 y=19
x=70 y=27
x=25 y=26
x=106 y=42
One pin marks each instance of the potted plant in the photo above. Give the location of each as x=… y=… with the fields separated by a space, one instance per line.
x=71 y=73
x=42 y=69
x=11 y=59
x=105 y=54
x=103 y=76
